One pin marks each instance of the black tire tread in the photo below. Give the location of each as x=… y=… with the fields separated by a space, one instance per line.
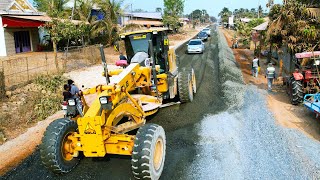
x=183 y=86
x=142 y=151
x=297 y=92
x=49 y=148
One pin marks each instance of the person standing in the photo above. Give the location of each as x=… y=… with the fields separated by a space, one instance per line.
x=255 y=67
x=270 y=75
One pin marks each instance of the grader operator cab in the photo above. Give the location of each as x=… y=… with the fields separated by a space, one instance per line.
x=121 y=106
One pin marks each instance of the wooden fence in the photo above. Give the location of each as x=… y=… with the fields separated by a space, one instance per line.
x=24 y=68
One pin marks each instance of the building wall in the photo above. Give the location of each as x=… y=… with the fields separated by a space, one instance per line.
x=3 y=51
x=35 y=40
x=9 y=39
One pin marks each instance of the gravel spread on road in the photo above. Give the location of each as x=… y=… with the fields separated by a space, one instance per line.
x=245 y=142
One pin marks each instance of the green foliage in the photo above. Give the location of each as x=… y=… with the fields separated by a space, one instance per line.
x=294 y=25
x=46 y=106
x=51 y=83
x=245 y=29
x=255 y=22
x=49 y=101
x=225 y=14
x=172 y=11
x=106 y=29
x=198 y=15
x=158 y=9
x=252 y=13
x=46 y=5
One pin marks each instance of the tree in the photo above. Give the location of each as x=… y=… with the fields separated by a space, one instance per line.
x=60 y=27
x=172 y=11
x=158 y=9
x=294 y=25
x=45 y=5
x=213 y=19
x=106 y=30
x=260 y=11
x=225 y=14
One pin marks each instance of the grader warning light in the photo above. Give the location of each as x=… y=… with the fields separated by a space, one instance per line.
x=122 y=104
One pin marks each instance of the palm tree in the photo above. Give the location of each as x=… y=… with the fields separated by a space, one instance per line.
x=107 y=26
x=224 y=14
x=260 y=11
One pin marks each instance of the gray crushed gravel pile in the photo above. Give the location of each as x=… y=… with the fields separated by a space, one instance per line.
x=230 y=75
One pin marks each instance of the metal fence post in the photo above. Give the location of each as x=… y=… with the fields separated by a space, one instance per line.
x=2 y=83
x=27 y=68
x=46 y=57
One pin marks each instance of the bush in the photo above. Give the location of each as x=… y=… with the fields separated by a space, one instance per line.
x=49 y=101
x=51 y=83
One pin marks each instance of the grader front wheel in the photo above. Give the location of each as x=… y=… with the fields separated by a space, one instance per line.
x=56 y=149
x=149 y=152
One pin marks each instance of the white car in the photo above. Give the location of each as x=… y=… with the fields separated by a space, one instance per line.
x=195 y=46
x=207 y=30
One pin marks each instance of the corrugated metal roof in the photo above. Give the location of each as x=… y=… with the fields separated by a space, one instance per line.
x=147 y=15
x=43 y=18
x=4 y=4
x=261 y=27
x=142 y=22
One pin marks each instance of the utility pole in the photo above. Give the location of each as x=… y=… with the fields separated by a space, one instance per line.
x=259 y=10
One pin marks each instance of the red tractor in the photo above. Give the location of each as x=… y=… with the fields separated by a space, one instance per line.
x=305 y=79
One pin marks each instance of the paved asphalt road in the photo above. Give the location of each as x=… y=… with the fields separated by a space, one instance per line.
x=208 y=138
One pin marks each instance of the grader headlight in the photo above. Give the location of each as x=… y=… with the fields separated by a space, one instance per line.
x=105 y=102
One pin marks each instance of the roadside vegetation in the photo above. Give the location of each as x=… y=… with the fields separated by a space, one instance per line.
x=30 y=104
x=295 y=24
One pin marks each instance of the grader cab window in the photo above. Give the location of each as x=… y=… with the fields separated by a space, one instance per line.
x=137 y=43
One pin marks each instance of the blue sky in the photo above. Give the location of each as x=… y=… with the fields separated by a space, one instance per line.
x=212 y=6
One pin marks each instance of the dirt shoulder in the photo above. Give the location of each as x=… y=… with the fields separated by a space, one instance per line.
x=286 y=114
x=25 y=138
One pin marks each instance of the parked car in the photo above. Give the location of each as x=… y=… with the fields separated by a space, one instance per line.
x=203 y=36
x=207 y=30
x=195 y=46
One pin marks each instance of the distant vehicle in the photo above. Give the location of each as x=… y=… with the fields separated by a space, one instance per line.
x=207 y=30
x=195 y=46
x=203 y=36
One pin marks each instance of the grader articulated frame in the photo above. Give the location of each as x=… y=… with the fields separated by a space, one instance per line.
x=121 y=106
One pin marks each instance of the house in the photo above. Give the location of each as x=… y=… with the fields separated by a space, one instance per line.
x=184 y=21
x=19 y=22
x=147 y=19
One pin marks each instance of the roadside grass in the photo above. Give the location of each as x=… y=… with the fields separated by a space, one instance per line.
x=29 y=105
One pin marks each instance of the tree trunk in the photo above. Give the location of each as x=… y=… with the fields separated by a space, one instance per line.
x=55 y=53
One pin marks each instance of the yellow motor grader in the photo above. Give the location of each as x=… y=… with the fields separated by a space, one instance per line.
x=149 y=77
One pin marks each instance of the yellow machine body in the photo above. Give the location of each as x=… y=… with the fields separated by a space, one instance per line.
x=103 y=131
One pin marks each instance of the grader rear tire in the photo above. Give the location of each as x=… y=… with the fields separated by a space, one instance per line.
x=185 y=86
x=52 y=149
x=149 y=152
